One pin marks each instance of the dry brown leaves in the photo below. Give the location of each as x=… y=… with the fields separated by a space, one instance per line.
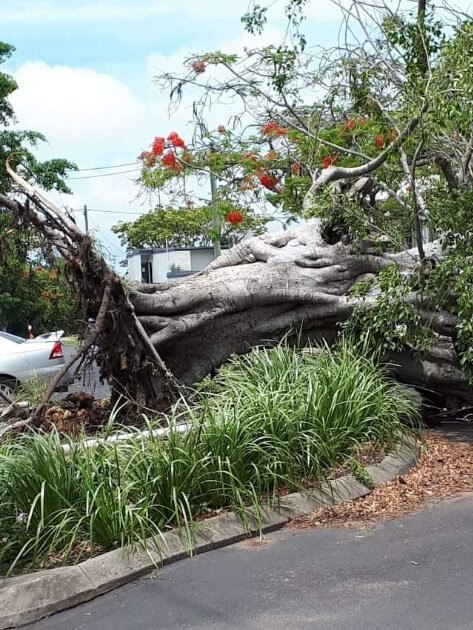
x=445 y=469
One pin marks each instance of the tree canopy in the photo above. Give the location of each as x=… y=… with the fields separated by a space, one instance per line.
x=186 y=227
x=372 y=137
x=33 y=289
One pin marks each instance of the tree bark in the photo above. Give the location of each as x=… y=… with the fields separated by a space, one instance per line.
x=266 y=286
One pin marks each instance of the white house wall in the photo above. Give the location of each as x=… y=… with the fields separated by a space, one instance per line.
x=201 y=258
x=160 y=266
x=180 y=260
x=173 y=260
x=134 y=267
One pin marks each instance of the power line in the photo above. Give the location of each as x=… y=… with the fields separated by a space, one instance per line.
x=134 y=170
x=101 y=168
x=141 y=214
x=116 y=248
x=112 y=211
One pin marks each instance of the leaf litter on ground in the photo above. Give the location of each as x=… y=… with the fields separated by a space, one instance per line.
x=444 y=470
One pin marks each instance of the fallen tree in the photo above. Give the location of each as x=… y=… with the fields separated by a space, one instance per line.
x=259 y=290
x=293 y=281
x=157 y=338
x=375 y=170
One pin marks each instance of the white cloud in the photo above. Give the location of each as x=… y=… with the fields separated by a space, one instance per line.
x=95 y=120
x=80 y=111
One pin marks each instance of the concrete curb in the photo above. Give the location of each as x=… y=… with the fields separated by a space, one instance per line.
x=27 y=598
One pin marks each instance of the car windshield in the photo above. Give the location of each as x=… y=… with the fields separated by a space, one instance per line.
x=13 y=338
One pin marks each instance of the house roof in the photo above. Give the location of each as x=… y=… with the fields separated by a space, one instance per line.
x=160 y=250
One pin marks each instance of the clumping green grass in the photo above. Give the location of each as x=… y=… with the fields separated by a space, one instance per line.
x=32 y=390
x=72 y=340
x=270 y=419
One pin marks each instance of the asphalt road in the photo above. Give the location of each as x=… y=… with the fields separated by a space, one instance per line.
x=415 y=573
x=89 y=381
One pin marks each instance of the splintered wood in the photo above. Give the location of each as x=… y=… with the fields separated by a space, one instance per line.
x=445 y=469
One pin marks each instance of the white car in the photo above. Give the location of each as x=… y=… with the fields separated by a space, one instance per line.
x=22 y=359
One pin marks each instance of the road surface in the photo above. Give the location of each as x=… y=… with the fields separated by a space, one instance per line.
x=90 y=382
x=414 y=573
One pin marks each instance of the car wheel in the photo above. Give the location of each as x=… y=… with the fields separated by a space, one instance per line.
x=8 y=386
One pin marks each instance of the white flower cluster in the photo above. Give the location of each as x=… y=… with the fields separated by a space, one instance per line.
x=401 y=330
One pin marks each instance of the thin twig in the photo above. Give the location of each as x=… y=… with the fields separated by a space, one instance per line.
x=415 y=202
x=6 y=398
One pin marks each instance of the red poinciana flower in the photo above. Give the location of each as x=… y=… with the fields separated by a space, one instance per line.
x=328 y=160
x=379 y=141
x=267 y=180
x=271 y=155
x=250 y=156
x=148 y=158
x=198 y=66
x=235 y=217
x=272 y=128
x=158 y=146
x=169 y=161
x=349 y=126
x=176 y=140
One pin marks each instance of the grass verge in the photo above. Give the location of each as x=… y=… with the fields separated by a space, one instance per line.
x=72 y=341
x=271 y=420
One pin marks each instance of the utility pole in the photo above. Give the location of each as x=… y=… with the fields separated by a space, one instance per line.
x=86 y=219
x=215 y=215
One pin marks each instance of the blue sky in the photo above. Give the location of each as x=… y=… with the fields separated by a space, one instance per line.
x=85 y=71
x=114 y=37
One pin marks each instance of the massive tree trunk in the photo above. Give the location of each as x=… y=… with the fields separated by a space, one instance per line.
x=266 y=286
x=256 y=291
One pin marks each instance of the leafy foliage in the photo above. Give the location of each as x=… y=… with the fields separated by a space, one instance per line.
x=33 y=291
x=392 y=322
x=245 y=171
x=27 y=297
